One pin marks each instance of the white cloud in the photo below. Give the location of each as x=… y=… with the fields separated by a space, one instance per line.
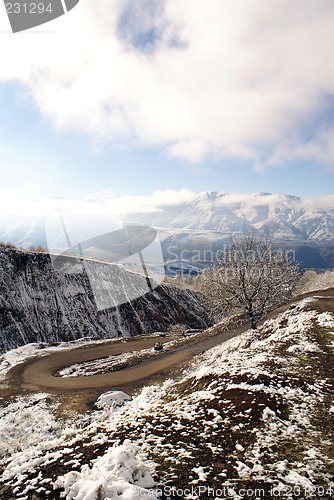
x=276 y=199
x=30 y=186
x=104 y=207
x=323 y=202
x=98 y=204
x=170 y=197
x=248 y=78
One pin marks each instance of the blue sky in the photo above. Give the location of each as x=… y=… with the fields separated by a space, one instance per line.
x=57 y=163
x=153 y=114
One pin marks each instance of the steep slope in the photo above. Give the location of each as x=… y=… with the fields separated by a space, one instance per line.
x=39 y=303
x=251 y=418
x=208 y=213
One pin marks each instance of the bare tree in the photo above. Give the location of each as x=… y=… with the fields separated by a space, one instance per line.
x=251 y=277
x=316 y=280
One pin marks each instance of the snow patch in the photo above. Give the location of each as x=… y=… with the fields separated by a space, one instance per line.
x=25 y=423
x=119 y=473
x=300 y=349
x=112 y=399
x=202 y=476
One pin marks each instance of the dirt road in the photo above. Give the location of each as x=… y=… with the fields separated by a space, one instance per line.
x=37 y=374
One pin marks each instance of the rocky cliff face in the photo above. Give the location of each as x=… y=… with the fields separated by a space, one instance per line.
x=43 y=303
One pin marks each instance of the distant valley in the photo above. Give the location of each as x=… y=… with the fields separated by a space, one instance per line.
x=192 y=232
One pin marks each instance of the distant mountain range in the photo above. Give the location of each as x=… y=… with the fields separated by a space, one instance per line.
x=304 y=227
x=281 y=216
x=195 y=229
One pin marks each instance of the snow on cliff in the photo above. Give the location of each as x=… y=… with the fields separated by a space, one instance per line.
x=39 y=303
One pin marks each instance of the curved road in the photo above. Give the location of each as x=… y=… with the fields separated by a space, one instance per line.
x=36 y=374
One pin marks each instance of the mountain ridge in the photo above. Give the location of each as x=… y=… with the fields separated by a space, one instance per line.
x=274 y=214
x=206 y=219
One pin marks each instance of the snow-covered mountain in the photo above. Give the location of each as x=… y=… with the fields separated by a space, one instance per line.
x=204 y=221
x=279 y=215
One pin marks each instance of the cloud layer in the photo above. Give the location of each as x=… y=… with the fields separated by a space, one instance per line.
x=250 y=78
x=107 y=205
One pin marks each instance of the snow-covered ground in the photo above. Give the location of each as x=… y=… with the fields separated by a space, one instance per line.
x=16 y=356
x=26 y=422
x=255 y=413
